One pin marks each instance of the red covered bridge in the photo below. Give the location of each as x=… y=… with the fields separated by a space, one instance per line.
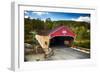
x=61 y=35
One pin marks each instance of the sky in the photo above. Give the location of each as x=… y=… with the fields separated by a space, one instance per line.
x=55 y=16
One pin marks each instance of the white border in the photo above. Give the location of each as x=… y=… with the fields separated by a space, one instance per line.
x=18 y=32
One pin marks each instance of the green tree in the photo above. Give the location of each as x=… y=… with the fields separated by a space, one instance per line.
x=48 y=24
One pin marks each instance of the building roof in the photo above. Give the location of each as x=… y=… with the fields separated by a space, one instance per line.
x=58 y=31
x=62 y=31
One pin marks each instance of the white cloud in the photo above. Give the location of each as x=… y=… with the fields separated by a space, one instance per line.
x=31 y=18
x=82 y=19
x=25 y=12
x=40 y=13
x=26 y=16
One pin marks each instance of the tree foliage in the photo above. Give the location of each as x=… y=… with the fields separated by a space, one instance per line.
x=81 y=29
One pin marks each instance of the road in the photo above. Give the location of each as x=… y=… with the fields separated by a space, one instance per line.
x=60 y=53
x=65 y=53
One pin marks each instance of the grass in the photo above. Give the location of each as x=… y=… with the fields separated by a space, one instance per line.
x=83 y=43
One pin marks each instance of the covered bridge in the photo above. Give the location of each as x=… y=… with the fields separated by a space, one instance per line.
x=60 y=36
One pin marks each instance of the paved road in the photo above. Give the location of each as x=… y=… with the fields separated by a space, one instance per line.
x=60 y=53
x=64 y=53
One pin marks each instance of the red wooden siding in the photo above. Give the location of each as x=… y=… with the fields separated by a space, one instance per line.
x=62 y=31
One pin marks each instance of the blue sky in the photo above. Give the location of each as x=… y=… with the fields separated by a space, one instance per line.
x=55 y=16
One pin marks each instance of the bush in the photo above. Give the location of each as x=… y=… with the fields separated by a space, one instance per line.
x=85 y=44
